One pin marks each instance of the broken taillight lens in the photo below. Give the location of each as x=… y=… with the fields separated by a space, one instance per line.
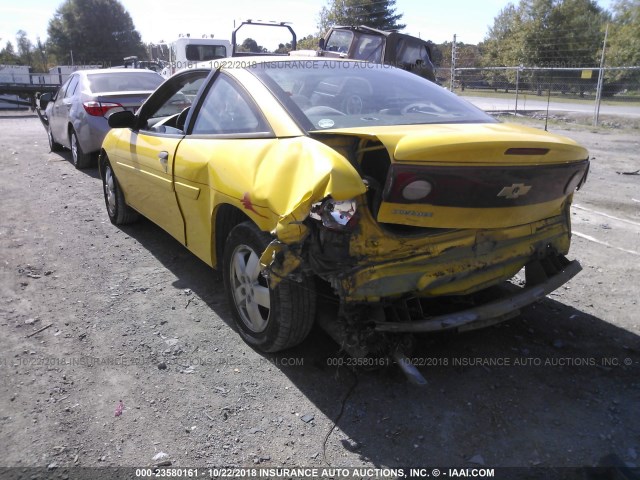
x=337 y=215
x=98 y=109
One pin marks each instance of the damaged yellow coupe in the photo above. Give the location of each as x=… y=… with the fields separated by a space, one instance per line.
x=315 y=178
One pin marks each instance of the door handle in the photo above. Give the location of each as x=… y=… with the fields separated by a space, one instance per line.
x=164 y=160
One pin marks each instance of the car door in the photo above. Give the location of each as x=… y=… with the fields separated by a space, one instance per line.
x=59 y=113
x=216 y=161
x=148 y=153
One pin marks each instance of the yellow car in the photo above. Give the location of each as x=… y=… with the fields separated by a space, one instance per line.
x=302 y=179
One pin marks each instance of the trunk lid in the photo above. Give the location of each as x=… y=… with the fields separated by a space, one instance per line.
x=129 y=100
x=475 y=175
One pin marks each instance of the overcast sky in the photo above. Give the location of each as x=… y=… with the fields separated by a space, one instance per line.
x=156 y=20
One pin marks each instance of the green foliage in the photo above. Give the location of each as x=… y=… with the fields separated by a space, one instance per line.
x=283 y=48
x=27 y=53
x=310 y=42
x=8 y=55
x=93 y=32
x=250 y=45
x=378 y=14
x=25 y=48
x=623 y=47
x=546 y=33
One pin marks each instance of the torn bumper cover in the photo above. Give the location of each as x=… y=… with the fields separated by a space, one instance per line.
x=489 y=313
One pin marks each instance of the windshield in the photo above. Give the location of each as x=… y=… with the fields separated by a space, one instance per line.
x=142 y=80
x=330 y=94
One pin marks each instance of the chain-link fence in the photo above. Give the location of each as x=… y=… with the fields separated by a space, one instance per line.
x=617 y=84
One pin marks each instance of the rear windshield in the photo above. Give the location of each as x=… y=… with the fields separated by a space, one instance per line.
x=329 y=94
x=200 y=53
x=142 y=80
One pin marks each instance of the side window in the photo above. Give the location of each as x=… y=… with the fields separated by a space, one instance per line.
x=228 y=110
x=339 y=41
x=73 y=84
x=168 y=107
x=410 y=54
x=62 y=89
x=369 y=48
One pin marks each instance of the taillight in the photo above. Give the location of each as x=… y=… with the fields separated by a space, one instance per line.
x=337 y=215
x=406 y=185
x=98 y=109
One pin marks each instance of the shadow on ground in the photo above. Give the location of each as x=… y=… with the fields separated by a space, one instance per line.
x=547 y=389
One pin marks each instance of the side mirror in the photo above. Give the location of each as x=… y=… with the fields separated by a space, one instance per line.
x=44 y=100
x=122 y=119
x=321 y=44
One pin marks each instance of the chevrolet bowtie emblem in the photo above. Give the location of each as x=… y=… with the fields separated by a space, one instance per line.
x=514 y=191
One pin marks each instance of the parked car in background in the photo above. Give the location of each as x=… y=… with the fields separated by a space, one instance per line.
x=74 y=115
x=361 y=181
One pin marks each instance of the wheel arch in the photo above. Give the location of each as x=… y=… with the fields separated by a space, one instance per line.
x=102 y=161
x=70 y=130
x=224 y=218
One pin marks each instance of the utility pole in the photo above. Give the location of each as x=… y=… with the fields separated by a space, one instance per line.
x=596 y=114
x=454 y=56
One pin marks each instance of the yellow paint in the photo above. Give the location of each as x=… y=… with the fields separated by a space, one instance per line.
x=453 y=262
x=470 y=144
x=421 y=215
x=274 y=181
x=147 y=185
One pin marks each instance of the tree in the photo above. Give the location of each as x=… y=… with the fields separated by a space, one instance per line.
x=93 y=32
x=25 y=48
x=8 y=55
x=310 y=42
x=250 y=45
x=547 y=34
x=378 y=14
x=41 y=60
x=283 y=48
x=624 y=41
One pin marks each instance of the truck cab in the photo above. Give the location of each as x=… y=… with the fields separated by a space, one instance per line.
x=379 y=46
x=187 y=51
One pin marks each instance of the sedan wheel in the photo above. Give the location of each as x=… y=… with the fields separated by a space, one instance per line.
x=80 y=159
x=250 y=289
x=119 y=212
x=270 y=319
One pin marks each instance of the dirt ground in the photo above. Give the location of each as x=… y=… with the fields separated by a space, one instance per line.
x=92 y=315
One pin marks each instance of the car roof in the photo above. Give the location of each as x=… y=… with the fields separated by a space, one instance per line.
x=114 y=70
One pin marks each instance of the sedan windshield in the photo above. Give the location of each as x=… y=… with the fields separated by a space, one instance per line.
x=141 y=80
x=331 y=94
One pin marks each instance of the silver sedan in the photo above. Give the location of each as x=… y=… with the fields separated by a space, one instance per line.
x=75 y=114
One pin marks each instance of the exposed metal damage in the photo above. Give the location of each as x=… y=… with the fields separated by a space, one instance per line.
x=384 y=273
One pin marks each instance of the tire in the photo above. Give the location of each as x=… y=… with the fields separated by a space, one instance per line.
x=268 y=319
x=80 y=159
x=119 y=212
x=53 y=145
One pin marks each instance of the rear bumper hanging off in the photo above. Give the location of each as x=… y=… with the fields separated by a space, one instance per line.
x=489 y=313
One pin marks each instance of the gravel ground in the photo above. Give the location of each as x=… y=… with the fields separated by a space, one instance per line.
x=98 y=320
